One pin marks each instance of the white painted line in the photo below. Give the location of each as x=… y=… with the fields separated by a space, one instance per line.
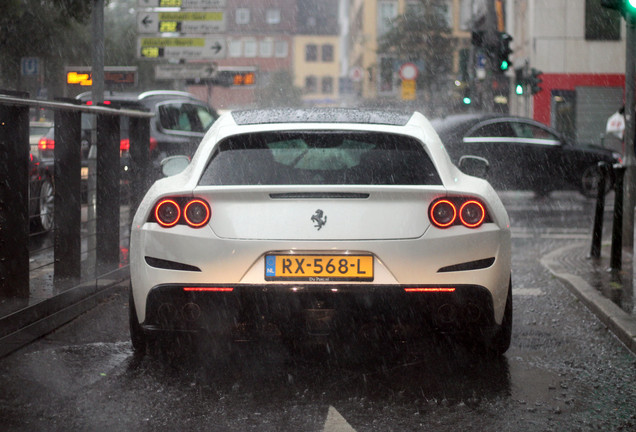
x=336 y=423
x=567 y=236
x=530 y=292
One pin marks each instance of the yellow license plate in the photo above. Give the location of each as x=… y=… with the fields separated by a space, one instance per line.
x=319 y=268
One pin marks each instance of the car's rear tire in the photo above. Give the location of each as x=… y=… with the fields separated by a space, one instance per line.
x=499 y=342
x=43 y=220
x=588 y=185
x=137 y=337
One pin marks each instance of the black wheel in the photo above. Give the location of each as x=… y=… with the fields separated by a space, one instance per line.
x=589 y=182
x=499 y=342
x=43 y=220
x=137 y=337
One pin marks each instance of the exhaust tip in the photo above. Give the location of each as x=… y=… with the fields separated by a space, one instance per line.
x=191 y=312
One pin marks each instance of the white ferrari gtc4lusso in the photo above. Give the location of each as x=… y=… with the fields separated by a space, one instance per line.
x=322 y=221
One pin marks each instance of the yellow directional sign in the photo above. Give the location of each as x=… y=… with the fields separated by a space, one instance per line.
x=211 y=47
x=183 y=3
x=193 y=22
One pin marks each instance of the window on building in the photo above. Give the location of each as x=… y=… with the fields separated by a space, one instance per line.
x=311 y=84
x=272 y=16
x=242 y=16
x=387 y=12
x=311 y=53
x=281 y=49
x=250 y=47
x=327 y=53
x=234 y=47
x=601 y=23
x=327 y=85
x=266 y=48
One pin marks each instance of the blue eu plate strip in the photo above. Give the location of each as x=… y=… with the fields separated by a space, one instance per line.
x=270 y=265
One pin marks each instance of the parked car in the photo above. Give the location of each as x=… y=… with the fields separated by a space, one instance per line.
x=318 y=221
x=180 y=122
x=178 y=126
x=524 y=154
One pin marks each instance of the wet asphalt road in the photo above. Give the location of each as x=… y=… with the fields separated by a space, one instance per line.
x=563 y=372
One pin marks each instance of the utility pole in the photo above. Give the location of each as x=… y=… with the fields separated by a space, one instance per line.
x=630 y=159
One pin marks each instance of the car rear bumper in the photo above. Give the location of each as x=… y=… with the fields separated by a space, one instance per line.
x=316 y=310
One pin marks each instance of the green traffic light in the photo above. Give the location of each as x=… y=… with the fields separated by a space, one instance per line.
x=631 y=4
x=466 y=100
x=504 y=64
x=519 y=89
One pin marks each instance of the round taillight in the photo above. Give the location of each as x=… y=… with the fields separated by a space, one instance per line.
x=472 y=214
x=167 y=213
x=197 y=213
x=443 y=213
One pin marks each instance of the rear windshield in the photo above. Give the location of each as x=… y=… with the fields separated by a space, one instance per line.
x=319 y=157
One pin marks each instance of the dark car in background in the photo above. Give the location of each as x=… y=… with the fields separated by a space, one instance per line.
x=179 y=123
x=524 y=154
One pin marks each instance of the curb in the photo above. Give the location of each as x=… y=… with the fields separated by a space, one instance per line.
x=622 y=324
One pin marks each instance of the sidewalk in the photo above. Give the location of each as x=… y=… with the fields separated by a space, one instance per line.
x=600 y=289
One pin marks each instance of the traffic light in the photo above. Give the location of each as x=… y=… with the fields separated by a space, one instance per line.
x=503 y=51
x=520 y=81
x=466 y=99
x=534 y=81
x=627 y=8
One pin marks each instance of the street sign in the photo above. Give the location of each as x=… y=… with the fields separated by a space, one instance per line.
x=30 y=66
x=185 y=71
x=209 y=4
x=356 y=73
x=192 y=22
x=155 y=48
x=408 y=89
x=408 y=71
x=113 y=75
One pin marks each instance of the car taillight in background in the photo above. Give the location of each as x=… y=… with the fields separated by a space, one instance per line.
x=446 y=212
x=124 y=145
x=169 y=212
x=45 y=144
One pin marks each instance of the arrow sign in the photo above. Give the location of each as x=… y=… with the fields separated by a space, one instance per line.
x=211 y=47
x=209 y=4
x=193 y=22
x=184 y=71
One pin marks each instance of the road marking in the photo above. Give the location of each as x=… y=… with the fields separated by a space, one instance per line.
x=336 y=422
x=567 y=236
x=529 y=292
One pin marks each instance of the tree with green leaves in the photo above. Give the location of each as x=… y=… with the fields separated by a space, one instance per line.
x=422 y=36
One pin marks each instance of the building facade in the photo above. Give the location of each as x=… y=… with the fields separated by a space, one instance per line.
x=580 y=48
x=376 y=77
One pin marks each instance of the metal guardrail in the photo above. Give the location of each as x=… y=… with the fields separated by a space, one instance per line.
x=14 y=190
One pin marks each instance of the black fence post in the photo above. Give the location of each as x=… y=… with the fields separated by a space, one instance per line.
x=617 y=224
x=597 y=230
x=67 y=212
x=14 y=199
x=107 y=193
x=140 y=163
